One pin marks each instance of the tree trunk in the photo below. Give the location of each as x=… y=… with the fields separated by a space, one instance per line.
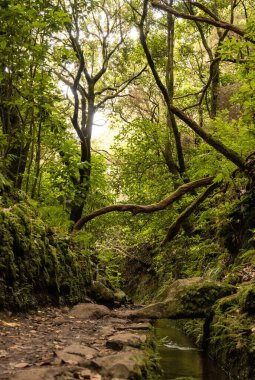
x=83 y=185
x=37 y=163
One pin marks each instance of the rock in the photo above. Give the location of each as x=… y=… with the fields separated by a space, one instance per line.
x=89 y=310
x=123 y=365
x=188 y=298
x=121 y=340
x=117 y=321
x=106 y=331
x=101 y=293
x=50 y=373
x=120 y=296
x=182 y=283
x=135 y=326
x=76 y=354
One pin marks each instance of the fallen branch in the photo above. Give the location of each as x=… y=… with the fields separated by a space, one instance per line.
x=145 y=209
x=175 y=226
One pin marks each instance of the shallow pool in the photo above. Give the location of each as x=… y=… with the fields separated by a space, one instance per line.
x=180 y=359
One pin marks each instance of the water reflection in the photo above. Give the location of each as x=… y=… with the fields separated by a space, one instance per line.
x=180 y=359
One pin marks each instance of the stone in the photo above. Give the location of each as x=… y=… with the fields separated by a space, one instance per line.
x=188 y=298
x=76 y=354
x=106 y=331
x=123 y=365
x=136 y=326
x=101 y=293
x=120 y=296
x=53 y=373
x=89 y=310
x=121 y=340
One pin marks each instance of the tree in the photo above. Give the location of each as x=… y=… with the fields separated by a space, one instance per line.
x=26 y=87
x=91 y=57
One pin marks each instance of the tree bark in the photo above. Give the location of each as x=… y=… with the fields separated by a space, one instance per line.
x=164 y=90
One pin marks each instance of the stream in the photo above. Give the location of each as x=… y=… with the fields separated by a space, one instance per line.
x=180 y=359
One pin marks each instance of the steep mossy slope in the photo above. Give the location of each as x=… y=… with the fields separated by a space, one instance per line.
x=231 y=333
x=222 y=251
x=38 y=266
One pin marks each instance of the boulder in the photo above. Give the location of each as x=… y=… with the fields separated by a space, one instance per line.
x=123 y=365
x=187 y=298
x=89 y=310
x=76 y=354
x=53 y=373
x=101 y=293
x=120 y=296
x=121 y=340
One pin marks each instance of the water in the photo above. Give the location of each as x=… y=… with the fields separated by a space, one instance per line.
x=180 y=359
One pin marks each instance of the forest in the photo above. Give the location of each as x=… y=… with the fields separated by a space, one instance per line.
x=127 y=173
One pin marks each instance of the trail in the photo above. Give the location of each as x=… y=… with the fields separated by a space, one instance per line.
x=88 y=341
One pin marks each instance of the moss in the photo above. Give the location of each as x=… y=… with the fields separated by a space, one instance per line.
x=204 y=295
x=246 y=299
x=38 y=266
x=231 y=339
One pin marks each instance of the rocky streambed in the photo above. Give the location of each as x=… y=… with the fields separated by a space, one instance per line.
x=88 y=341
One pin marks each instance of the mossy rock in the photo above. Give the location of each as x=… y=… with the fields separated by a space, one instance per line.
x=38 y=266
x=101 y=293
x=187 y=301
x=203 y=296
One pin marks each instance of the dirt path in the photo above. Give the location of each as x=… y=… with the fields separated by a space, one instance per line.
x=88 y=341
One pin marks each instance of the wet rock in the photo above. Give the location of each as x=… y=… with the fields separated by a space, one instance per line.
x=121 y=340
x=76 y=354
x=89 y=310
x=123 y=365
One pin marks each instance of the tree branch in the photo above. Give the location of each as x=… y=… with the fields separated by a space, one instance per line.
x=207 y=137
x=219 y=24
x=175 y=227
x=145 y=209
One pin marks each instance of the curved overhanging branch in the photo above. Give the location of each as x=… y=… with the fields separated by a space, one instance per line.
x=145 y=209
x=211 y=21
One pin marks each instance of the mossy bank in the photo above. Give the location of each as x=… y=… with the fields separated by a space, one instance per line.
x=38 y=266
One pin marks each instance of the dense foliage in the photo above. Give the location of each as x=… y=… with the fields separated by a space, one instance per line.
x=174 y=83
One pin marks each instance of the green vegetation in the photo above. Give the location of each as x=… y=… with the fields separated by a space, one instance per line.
x=38 y=266
x=166 y=192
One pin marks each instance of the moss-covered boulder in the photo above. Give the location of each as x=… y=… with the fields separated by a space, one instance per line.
x=37 y=265
x=101 y=293
x=187 y=298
